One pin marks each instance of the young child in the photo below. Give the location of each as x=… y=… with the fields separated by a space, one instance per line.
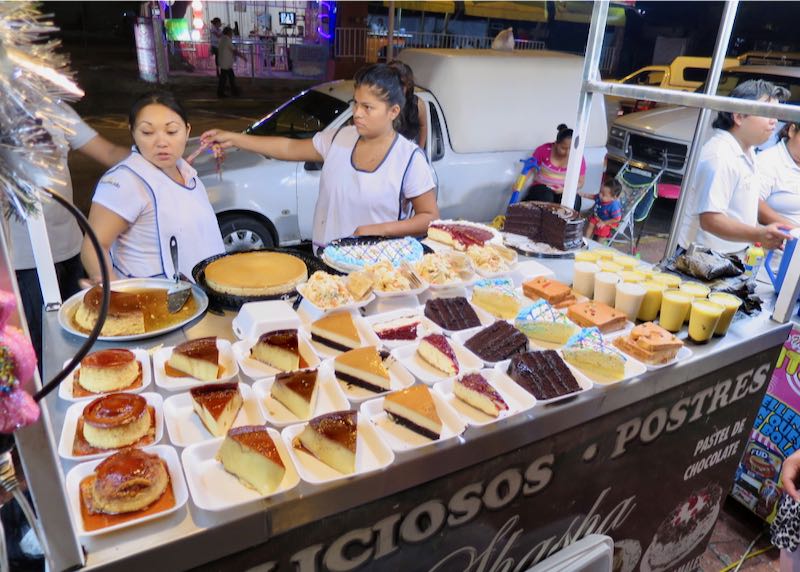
x=607 y=211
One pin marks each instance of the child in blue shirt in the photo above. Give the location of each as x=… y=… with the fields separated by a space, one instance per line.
x=607 y=211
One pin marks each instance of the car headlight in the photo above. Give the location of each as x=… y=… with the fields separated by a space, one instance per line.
x=617 y=133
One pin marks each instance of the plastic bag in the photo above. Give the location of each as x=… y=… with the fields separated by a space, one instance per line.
x=504 y=40
x=707 y=265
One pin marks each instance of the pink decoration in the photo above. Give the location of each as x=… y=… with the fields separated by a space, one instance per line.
x=21 y=352
x=8 y=304
x=17 y=410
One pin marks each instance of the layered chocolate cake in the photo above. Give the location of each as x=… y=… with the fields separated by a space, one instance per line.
x=499 y=341
x=559 y=226
x=542 y=374
x=452 y=313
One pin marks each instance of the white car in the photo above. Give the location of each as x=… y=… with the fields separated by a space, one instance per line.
x=486 y=110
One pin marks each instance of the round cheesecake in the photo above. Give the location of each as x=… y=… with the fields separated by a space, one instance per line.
x=108 y=370
x=116 y=420
x=256 y=274
x=128 y=481
x=125 y=314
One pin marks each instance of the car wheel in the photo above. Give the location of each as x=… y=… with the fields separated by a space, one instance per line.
x=242 y=232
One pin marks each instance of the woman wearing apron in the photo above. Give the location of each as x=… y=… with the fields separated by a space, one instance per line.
x=153 y=195
x=374 y=181
x=779 y=169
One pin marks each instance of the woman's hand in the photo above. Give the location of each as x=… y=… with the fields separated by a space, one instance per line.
x=789 y=474
x=225 y=139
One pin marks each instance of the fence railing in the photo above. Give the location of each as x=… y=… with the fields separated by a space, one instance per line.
x=607 y=58
x=264 y=56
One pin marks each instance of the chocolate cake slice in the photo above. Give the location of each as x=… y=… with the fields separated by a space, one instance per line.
x=542 y=374
x=452 y=313
x=499 y=341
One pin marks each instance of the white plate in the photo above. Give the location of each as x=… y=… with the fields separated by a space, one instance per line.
x=529 y=269
x=683 y=354
x=425 y=325
x=348 y=306
x=368 y=337
x=372 y=454
x=633 y=368
x=68 y=308
x=215 y=489
x=399 y=378
x=255 y=318
x=74 y=413
x=65 y=387
x=255 y=369
x=516 y=398
x=83 y=470
x=227 y=362
x=584 y=382
x=400 y=438
x=484 y=317
x=185 y=427
x=330 y=397
x=425 y=372
x=463 y=336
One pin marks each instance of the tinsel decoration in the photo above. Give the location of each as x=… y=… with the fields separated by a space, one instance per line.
x=34 y=79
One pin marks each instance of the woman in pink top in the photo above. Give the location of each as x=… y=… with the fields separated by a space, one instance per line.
x=548 y=182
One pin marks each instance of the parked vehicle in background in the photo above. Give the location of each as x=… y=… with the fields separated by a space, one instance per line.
x=649 y=134
x=486 y=110
x=770 y=58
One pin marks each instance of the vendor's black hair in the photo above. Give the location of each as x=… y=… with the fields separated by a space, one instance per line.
x=784 y=134
x=409 y=118
x=754 y=90
x=165 y=98
x=564 y=132
x=387 y=84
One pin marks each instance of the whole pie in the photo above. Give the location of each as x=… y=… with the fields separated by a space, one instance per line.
x=256 y=273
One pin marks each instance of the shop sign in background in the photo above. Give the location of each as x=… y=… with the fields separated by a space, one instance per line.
x=652 y=476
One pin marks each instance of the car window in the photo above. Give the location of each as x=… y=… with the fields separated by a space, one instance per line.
x=695 y=74
x=435 y=131
x=300 y=117
x=650 y=78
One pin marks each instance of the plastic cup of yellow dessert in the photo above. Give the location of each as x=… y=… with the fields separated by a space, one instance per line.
x=675 y=307
x=605 y=253
x=605 y=287
x=633 y=276
x=731 y=304
x=608 y=265
x=668 y=280
x=703 y=319
x=695 y=289
x=627 y=262
x=652 y=300
x=629 y=299
x=587 y=256
x=648 y=271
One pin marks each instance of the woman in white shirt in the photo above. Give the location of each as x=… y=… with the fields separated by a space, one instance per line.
x=150 y=197
x=374 y=181
x=779 y=170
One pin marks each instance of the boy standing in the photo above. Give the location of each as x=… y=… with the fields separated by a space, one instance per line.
x=227 y=55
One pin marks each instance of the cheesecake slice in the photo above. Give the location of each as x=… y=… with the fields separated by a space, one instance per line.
x=217 y=406
x=249 y=453
x=414 y=409
x=363 y=367
x=336 y=331
x=437 y=351
x=332 y=438
x=297 y=390
x=474 y=390
x=278 y=349
x=196 y=358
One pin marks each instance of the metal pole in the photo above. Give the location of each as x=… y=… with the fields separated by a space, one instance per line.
x=390 y=34
x=723 y=39
x=594 y=48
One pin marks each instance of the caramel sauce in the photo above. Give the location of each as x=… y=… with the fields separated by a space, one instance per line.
x=257 y=438
x=151 y=301
x=114 y=409
x=96 y=521
x=215 y=397
x=108 y=358
x=301 y=382
x=339 y=426
x=81 y=447
x=172 y=372
x=79 y=391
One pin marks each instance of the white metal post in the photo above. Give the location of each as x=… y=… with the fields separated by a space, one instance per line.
x=390 y=34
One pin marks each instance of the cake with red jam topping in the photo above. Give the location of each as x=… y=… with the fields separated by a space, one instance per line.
x=473 y=389
x=437 y=351
x=278 y=349
x=402 y=328
x=460 y=235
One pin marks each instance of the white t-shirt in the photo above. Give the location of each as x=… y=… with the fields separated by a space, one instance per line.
x=62 y=230
x=349 y=198
x=726 y=183
x=225 y=55
x=780 y=178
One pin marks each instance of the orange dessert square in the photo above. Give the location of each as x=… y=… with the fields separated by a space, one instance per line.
x=596 y=314
x=554 y=292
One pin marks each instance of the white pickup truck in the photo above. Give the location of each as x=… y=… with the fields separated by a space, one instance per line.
x=486 y=110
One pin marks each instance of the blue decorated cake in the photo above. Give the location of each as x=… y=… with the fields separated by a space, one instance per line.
x=541 y=321
x=497 y=296
x=588 y=350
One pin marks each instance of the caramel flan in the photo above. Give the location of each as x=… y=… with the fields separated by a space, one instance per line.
x=250 y=454
x=437 y=351
x=196 y=358
x=336 y=331
x=125 y=313
x=278 y=349
x=116 y=420
x=414 y=409
x=363 y=367
x=297 y=391
x=256 y=273
x=127 y=481
x=108 y=370
x=476 y=391
x=332 y=438
x=217 y=405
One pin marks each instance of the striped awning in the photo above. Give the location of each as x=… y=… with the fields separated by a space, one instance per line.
x=440 y=6
x=525 y=11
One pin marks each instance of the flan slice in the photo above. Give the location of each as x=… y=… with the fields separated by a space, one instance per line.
x=197 y=358
x=336 y=331
x=217 y=406
x=250 y=454
x=437 y=351
x=108 y=370
x=363 y=367
x=414 y=409
x=297 y=390
x=474 y=390
x=332 y=438
x=278 y=349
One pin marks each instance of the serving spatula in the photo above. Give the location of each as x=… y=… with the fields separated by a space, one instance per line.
x=179 y=292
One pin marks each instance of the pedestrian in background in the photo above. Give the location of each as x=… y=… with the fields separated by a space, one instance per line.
x=227 y=56
x=215 y=33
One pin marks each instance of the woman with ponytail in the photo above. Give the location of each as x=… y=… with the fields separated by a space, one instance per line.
x=413 y=119
x=374 y=181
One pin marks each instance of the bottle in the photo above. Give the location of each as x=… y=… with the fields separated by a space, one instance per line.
x=753 y=259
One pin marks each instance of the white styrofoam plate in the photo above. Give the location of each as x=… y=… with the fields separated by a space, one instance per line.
x=368 y=337
x=255 y=369
x=400 y=438
x=683 y=354
x=66 y=386
x=425 y=372
x=529 y=269
x=215 y=489
x=372 y=454
x=74 y=413
x=185 y=428
x=425 y=327
x=330 y=397
x=399 y=378
x=83 y=470
x=351 y=305
x=227 y=362
x=584 y=382
x=255 y=318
